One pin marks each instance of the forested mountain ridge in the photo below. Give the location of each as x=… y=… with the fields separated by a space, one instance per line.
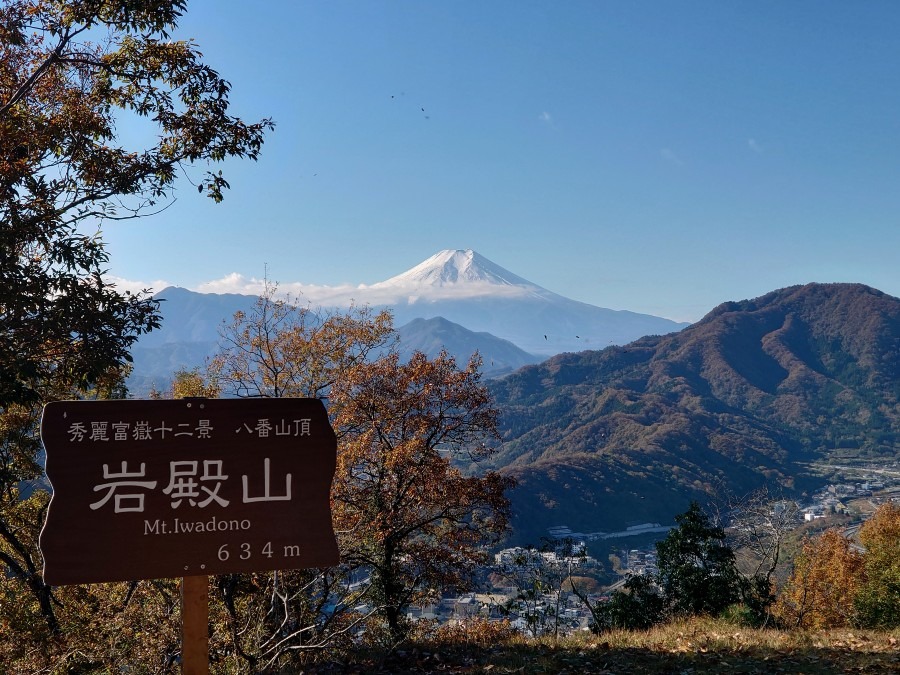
x=601 y=439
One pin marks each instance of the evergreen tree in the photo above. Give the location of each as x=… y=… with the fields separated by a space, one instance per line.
x=697 y=571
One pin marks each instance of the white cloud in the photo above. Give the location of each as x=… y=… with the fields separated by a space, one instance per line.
x=669 y=155
x=232 y=283
x=547 y=119
x=137 y=286
x=334 y=296
x=383 y=293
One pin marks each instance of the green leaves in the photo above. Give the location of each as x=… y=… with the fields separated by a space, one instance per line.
x=62 y=166
x=696 y=568
x=697 y=576
x=877 y=602
x=65 y=331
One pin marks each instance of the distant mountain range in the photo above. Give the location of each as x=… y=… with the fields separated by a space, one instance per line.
x=604 y=439
x=456 y=299
x=432 y=335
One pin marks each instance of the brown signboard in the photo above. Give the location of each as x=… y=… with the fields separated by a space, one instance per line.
x=154 y=489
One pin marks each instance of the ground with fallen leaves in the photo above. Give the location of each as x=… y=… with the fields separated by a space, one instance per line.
x=688 y=648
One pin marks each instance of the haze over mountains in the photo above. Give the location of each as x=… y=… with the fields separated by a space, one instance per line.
x=748 y=395
x=457 y=299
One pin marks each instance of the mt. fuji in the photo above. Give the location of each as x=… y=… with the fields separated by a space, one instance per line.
x=490 y=306
x=468 y=289
x=457 y=269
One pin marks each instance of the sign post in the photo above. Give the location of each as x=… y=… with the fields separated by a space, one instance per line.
x=186 y=488
x=195 y=625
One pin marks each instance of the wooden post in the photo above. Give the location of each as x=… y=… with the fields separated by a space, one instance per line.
x=195 y=625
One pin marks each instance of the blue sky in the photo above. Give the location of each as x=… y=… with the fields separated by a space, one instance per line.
x=661 y=157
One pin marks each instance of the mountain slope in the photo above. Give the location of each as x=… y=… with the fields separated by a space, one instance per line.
x=194 y=317
x=430 y=336
x=187 y=338
x=190 y=336
x=467 y=288
x=602 y=439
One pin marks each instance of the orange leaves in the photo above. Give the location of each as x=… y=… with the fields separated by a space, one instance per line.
x=400 y=424
x=414 y=518
x=826 y=577
x=878 y=600
x=280 y=348
x=406 y=516
x=836 y=585
x=433 y=400
x=881 y=533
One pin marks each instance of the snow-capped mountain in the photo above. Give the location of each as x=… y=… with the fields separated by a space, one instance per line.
x=458 y=286
x=467 y=288
x=454 y=269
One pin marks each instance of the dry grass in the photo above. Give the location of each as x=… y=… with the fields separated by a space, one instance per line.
x=690 y=647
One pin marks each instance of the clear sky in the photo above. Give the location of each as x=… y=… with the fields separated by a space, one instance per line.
x=661 y=157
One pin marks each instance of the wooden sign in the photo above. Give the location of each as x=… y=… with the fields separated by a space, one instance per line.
x=156 y=489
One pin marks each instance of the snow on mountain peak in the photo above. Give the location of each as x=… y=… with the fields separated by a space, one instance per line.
x=450 y=268
x=447 y=275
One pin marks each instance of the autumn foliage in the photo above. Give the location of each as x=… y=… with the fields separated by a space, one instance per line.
x=410 y=524
x=878 y=598
x=402 y=509
x=71 y=73
x=283 y=348
x=836 y=583
x=827 y=574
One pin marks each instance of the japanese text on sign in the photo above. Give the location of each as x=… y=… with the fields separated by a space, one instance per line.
x=185 y=484
x=149 y=489
x=144 y=430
